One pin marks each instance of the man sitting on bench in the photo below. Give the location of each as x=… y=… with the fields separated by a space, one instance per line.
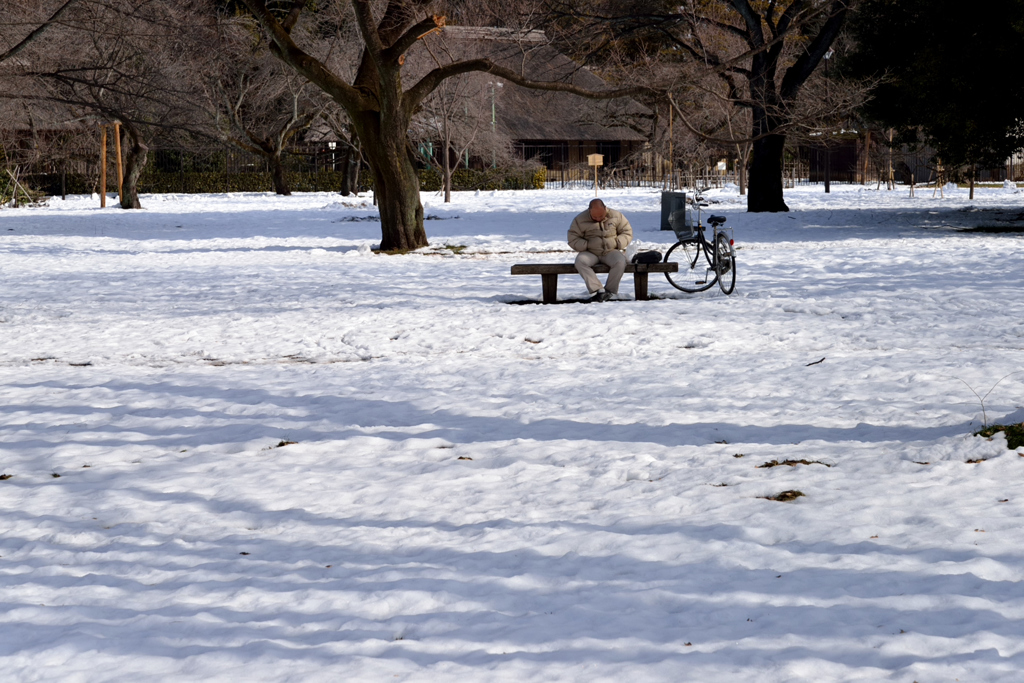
x=600 y=234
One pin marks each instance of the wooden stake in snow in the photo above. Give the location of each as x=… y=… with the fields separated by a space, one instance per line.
x=17 y=186
x=103 y=166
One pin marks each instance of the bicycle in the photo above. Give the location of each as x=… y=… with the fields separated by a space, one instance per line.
x=693 y=252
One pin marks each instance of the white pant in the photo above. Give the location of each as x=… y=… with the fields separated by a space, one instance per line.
x=616 y=262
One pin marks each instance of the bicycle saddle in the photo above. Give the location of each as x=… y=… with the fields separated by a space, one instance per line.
x=716 y=220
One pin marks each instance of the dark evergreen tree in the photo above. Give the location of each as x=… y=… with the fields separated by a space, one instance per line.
x=948 y=70
x=761 y=54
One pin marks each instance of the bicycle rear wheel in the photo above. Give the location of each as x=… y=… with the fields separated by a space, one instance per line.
x=725 y=264
x=695 y=271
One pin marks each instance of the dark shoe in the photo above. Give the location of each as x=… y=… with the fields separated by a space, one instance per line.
x=599 y=296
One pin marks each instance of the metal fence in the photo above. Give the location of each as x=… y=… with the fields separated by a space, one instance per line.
x=305 y=158
x=582 y=177
x=226 y=168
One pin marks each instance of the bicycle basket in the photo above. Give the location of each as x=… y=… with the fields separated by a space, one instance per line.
x=681 y=221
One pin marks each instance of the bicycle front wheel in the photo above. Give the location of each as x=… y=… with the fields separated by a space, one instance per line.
x=725 y=264
x=695 y=271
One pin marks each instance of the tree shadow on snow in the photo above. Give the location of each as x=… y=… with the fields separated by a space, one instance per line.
x=434 y=593
x=354 y=416
x=429 y=598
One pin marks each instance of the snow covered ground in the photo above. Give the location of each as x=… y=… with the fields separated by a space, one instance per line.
x=485 y=491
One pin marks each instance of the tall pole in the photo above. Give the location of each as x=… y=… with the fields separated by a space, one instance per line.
x=120 y=170
x=494 y=123
x=889 y=182
x=103 y=166
x=828 y=132
x=828 y=170
x=671 y=166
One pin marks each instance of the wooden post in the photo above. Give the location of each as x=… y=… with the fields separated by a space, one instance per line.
x=640 y=284
x=549 y=287
x=103 y=166
x=595 y=160
x=117 y=147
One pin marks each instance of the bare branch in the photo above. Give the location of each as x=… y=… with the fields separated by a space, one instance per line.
x=368 y=30
x=303 y=63
x=38 y=31
x=409 y=38
x=711 y=138
x=293 y=15
x=754 y=35
x=430 y=81
x=812 y=56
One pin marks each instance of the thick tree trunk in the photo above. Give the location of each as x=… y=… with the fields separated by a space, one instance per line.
x=346 y=186
x=135 y=163
x=352 y=171
x=396 y=185
x=765 y=191
x=277 y=174
x=401 y=213
x=349 y=171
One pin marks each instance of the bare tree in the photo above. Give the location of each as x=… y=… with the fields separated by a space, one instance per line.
x=350 y=155
x=117 y=61
x=36 y=32
x=378 y=104
x=756 y=55
x=254 y=104
x=455 y=114
x=446 y=117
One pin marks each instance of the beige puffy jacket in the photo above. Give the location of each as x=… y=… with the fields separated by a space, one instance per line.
x=614 y=232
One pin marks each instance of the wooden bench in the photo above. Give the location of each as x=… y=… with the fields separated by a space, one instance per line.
x=549 y=273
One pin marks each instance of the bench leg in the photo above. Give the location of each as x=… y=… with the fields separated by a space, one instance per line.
x=549 y=285
x=640 y=286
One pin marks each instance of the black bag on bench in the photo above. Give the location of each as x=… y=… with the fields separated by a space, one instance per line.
x=647 y=257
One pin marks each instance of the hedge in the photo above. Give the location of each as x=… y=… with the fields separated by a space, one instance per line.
x=49 y=183
x=200 y=183
x=195 y=182
x=486 y=179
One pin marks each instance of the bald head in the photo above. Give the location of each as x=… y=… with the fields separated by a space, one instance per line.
x=598 y=210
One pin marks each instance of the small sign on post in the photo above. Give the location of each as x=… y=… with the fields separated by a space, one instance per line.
x=595 y=160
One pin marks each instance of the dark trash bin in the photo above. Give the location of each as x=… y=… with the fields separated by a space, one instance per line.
x=675 y=214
